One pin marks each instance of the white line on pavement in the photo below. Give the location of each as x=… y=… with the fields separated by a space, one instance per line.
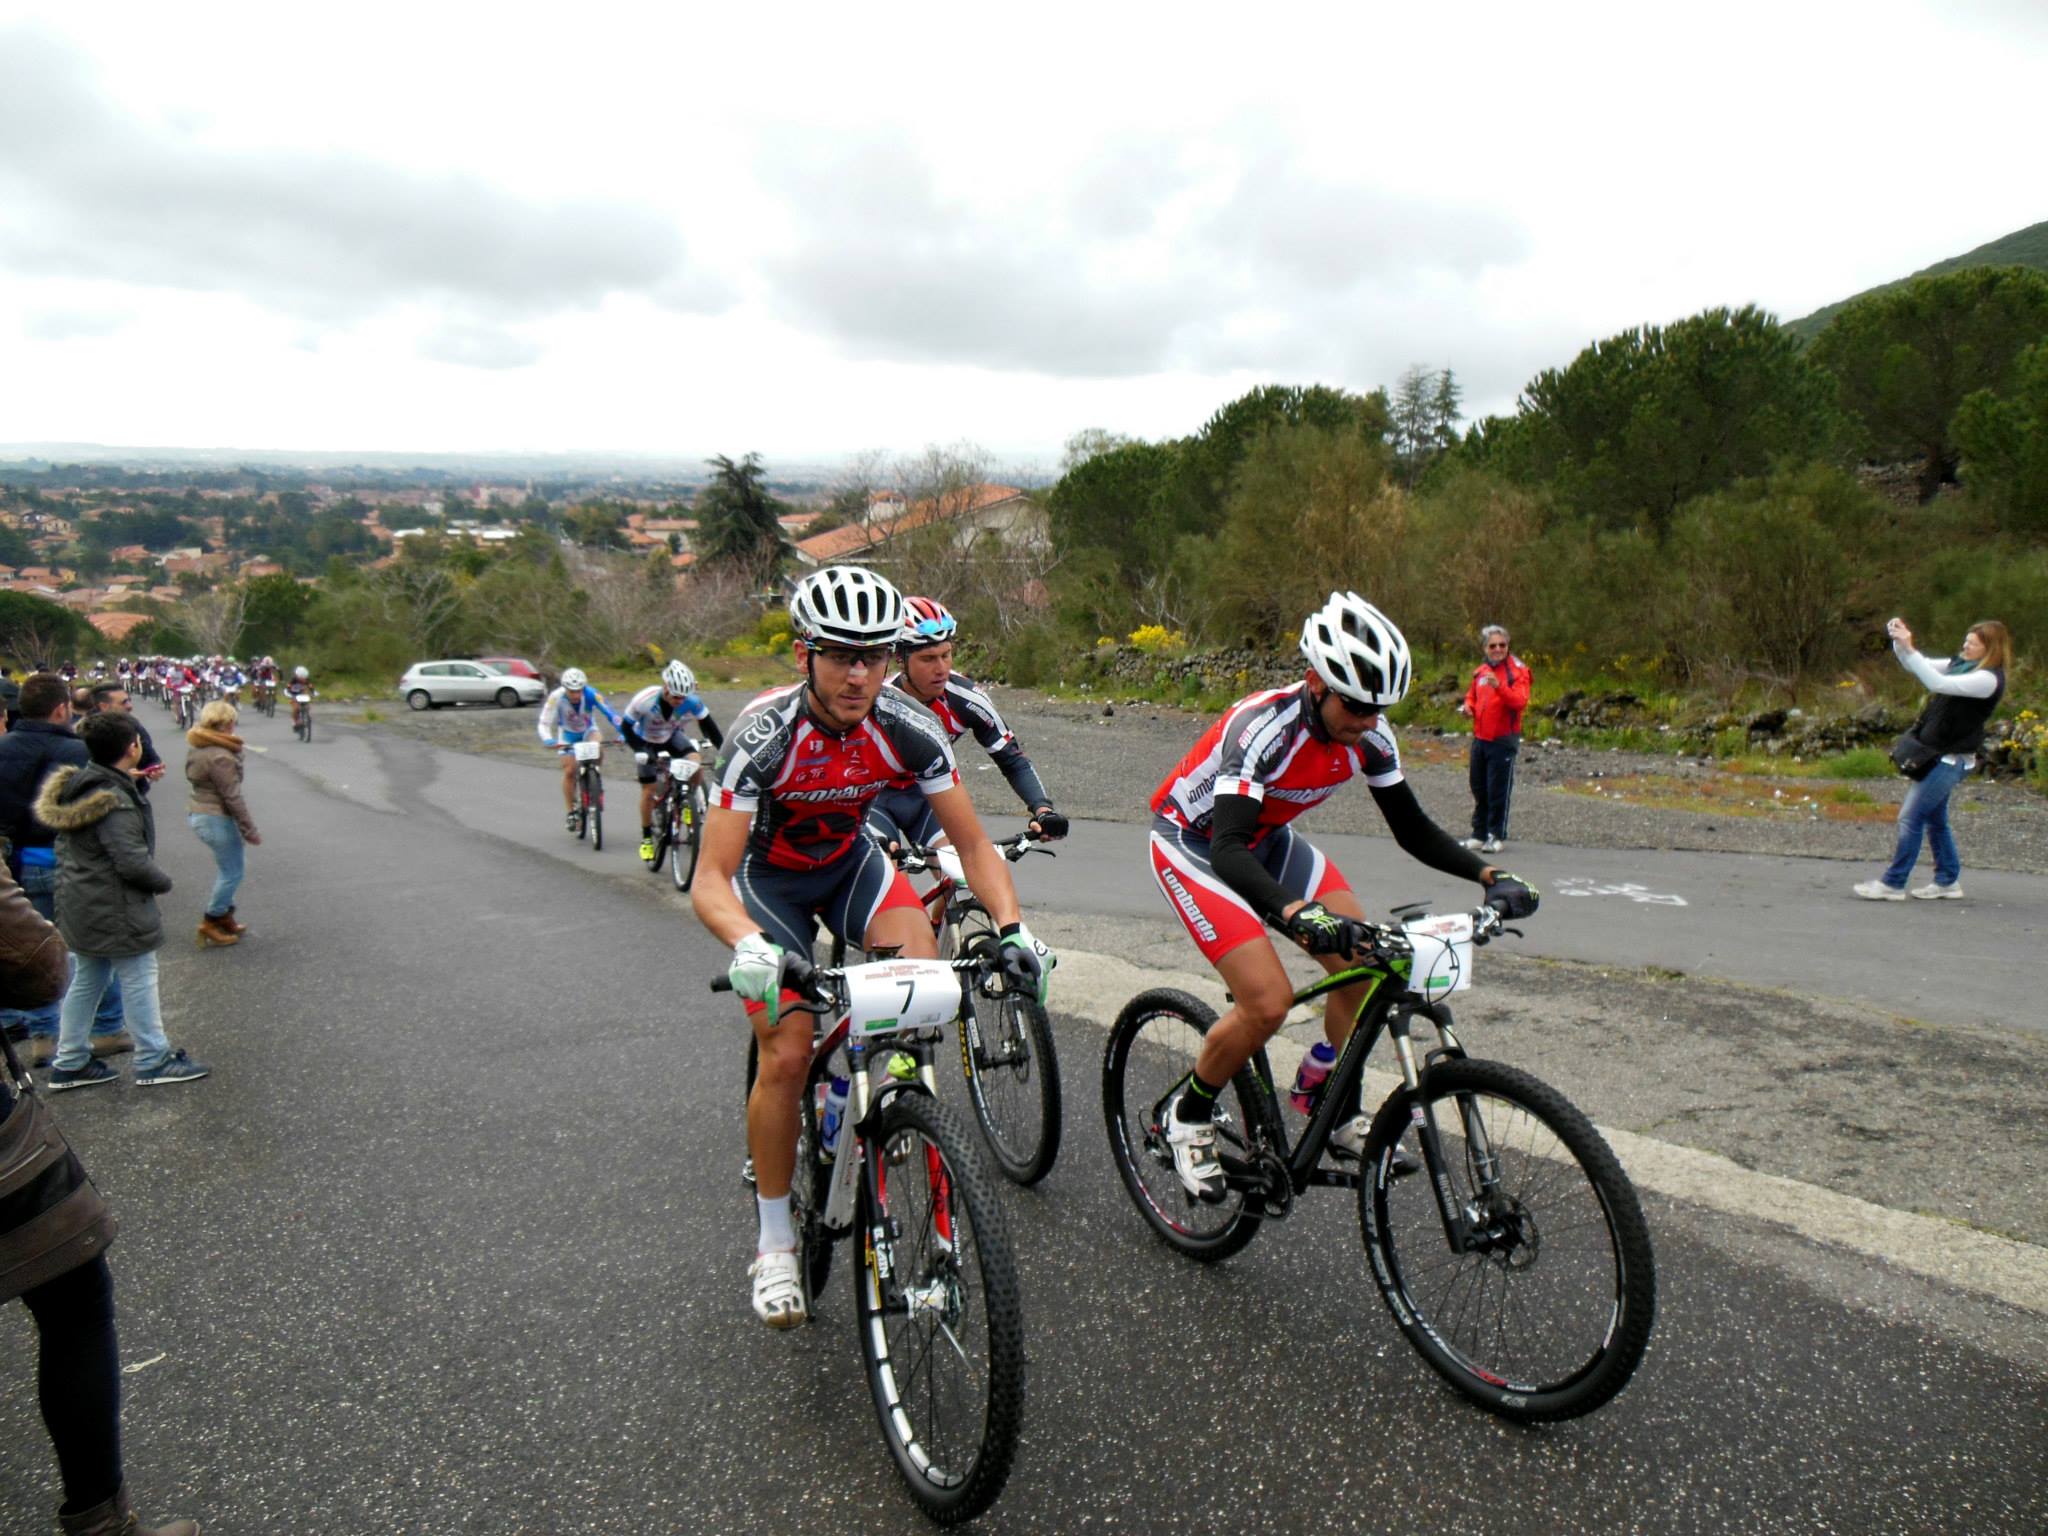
x=1095 y=987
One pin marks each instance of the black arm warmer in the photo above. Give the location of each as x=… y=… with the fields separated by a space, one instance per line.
x=1231 y=826
x=1422 y=839
x=1016 y=767
x=711 y=730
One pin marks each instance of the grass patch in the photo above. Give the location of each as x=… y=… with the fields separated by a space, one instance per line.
x=1858 y=763
x=373 y=715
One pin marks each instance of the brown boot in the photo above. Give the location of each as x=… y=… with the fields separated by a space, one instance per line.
x=115 y=1518
x=211 y=933
x=232 y=923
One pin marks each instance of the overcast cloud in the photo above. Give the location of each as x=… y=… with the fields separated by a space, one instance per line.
x=653 y=228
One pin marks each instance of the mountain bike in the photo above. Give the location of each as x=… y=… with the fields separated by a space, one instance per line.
x=186 y=707
x=1519 y=1267
x=1012 y=1069
x=302 y=715
x=589 y=793
x=936 y=1302
x=679 y=821
x=264 y=699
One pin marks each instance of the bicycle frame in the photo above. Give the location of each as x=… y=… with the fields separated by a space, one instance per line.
x=1385 y=1008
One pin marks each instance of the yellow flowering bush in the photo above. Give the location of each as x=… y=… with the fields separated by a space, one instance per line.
x=1154 y=638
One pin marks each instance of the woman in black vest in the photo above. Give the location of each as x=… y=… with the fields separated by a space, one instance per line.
x=1963 y=694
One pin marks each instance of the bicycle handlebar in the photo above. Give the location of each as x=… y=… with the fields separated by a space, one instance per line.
x=819 y=986
x=1389 y=939
x=913 y=859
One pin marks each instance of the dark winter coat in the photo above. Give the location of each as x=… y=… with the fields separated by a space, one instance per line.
x=27 y=754
x=107 y=877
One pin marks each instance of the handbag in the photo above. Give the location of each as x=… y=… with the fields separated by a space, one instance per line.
x=1912 y=756
x=52 y=1216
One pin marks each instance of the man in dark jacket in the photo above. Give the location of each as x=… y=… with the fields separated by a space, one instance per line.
x=107 y=884
x=40 y=742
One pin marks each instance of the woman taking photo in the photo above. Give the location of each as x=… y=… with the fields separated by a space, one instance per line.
x=213 y=768
x=1963 y=694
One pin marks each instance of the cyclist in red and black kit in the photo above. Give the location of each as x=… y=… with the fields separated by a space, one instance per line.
x=783 y=847
x=960 y=706
x=1227 y=859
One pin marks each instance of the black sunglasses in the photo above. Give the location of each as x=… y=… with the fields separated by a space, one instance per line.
x=840 y=656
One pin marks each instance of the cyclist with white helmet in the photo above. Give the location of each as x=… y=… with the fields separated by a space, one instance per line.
x=783 y=847
x=567 y=716
x=299 y=690
x=926 y=673
x=1227 y=860
x=653 y=724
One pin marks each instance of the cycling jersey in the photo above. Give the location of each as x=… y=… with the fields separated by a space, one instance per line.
x=1267 y=747
x=566 y=719
x=808 y=786
x=651 y=721
x=962 y=707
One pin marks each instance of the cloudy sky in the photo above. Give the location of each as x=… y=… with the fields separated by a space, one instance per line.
x=442 y=227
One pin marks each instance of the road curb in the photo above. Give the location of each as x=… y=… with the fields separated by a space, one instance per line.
x=1096 y=986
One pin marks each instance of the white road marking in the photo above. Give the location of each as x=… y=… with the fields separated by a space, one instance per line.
x=1576 y=885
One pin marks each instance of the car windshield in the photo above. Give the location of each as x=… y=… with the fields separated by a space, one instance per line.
x=494 y=669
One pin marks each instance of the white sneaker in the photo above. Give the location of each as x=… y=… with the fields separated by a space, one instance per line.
x=1492 y=845
x=1933 y=892
x=778 y=1295
x=1470 y=842
x=1348 y=1141
x=1194 y=1153
x=1877 y=890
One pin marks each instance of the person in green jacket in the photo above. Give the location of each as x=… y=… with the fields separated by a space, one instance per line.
x=108 y=881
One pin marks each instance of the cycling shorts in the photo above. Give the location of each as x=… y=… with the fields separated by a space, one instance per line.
x=848 y=894
x=650 y=771
x=904 y=816
x=1215 y=916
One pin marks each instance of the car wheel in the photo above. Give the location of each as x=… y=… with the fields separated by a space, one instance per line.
x=419 y=699
x=507 y=699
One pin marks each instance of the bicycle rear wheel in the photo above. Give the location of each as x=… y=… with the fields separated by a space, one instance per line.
x=1547 y=1312
x=1152 y=1049
x=593 y=797
x=1013 y=1077
x=937 y=1304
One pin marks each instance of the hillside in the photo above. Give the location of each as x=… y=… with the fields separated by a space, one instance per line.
x=2022 y=248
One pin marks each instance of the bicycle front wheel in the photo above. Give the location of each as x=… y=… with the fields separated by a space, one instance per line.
x=1152 y=1048
x=1013 y=1071
x=691 y=836
x=941 y=1325
x=1543 y=1311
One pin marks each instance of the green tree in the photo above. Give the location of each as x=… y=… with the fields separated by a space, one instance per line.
x=737 y=518
x=275 y=611
x=1118 y=501
x=14 y=549
x=2004 y=445
x=1908 y=357
x=597 y=524
x=1642 y=422
x=34 y=629
x=1211 y=457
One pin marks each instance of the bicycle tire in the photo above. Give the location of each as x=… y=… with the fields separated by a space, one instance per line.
x=1162 y=1059
x=1016 y=1101
x=1551 y=1319
x=693 y=841
x=946 y=1244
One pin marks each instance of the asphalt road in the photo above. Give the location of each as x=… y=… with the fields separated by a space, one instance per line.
x=453 y=1242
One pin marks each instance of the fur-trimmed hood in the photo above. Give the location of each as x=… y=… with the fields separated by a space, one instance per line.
x=75 y=798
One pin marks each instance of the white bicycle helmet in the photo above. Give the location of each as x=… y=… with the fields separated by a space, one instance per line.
x=1357 y=650
x=679 y=679
x=845 y=605
x=573 y=680
x=299 y=673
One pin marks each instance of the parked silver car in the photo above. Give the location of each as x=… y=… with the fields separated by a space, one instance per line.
x=430 y=684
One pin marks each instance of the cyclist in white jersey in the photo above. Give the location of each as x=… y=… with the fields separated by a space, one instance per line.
x=654 y=723
x=568 y=715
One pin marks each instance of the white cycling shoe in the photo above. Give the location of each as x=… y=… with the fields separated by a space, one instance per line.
x=1348 y=1141
x=778 y=1292
x=1194 y=1154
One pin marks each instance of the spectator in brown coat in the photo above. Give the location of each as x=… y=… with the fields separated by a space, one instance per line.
x=213 y=769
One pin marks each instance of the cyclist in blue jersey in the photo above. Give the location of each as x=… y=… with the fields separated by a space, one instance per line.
x=900 y=813
x=653 y=724
x=567 y=716
x=783 y=847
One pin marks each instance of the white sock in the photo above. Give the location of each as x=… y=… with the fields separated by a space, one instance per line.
x=776 y=1232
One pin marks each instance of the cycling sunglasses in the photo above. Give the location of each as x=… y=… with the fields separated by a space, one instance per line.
x=932 y=629
x=842 y=657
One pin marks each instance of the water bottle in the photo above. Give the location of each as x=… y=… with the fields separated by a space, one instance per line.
x=834 y=1117
x=1309 y=1079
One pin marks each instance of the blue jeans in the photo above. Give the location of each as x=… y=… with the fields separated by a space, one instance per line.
x=39 y=884
x=138 y=988
x=1926 y=813
x=224 y=839
x=1490 y=770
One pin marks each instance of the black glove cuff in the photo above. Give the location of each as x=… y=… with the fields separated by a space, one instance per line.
x=1009 y=930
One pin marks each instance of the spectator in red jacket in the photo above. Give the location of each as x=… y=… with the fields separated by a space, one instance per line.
x=1495 y=700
